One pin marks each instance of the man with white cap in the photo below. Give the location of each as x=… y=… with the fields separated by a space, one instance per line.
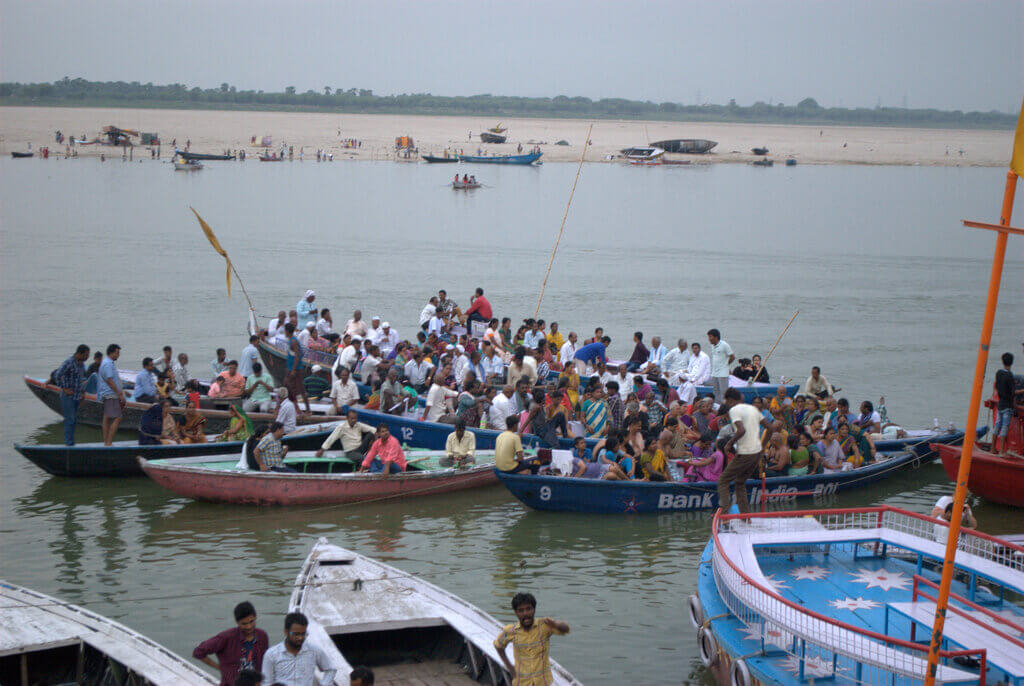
x=373 y=333
x=461 y=365
x=305 y=311
x=349 y=356
x=356 y=326
x=303 y=335
x=388 y=339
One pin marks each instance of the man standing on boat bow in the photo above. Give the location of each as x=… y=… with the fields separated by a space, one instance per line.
x=530 y=641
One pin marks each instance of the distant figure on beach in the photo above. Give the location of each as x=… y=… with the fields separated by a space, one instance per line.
x=530 y=641
x=237 y=649
x=188 y=144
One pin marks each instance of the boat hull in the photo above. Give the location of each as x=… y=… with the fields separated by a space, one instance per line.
x=204 y=156
x=504 y=159
x=687 y=146
x=488 y=137
x=21 y=155
x=594 y=496
x=433 y=159
x=994 y=477
x=459 y=186
x=276 y=488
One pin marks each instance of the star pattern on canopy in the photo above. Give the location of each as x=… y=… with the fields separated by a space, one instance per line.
x=852 y=604
x=809 y=572
x=881 y=578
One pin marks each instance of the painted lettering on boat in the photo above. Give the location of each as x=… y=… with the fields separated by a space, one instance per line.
x=406 y=433
x=545 y=493
x=667 y=501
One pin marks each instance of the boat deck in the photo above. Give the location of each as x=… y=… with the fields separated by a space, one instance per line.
x=429 y=673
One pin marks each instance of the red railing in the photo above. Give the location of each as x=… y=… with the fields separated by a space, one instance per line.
x=867 y=633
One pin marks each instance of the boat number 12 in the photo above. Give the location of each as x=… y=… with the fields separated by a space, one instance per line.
x=545 y=492
x=406 y=433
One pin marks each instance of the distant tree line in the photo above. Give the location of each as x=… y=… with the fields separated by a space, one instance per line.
x=83 y=93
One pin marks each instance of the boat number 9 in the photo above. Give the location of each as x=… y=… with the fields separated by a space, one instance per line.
x=545 y=493
x=406 y=433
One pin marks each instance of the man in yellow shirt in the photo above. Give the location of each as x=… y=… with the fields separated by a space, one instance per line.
x=530 y=643
x=508 y=450
x=555 y=339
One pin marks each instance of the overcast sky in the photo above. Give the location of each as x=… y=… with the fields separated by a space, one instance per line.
x=949 y=54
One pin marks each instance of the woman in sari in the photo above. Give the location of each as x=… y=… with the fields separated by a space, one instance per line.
x=848 y=444
x=192 y=431
x=595 y=414
x=170 y=431
x=572 y=388
x=240 y=427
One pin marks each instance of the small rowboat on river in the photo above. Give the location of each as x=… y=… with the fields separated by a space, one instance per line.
x=848 y=596
x=271 y=158
x=465 y=185
x=46 y=641
x=19 y=155
x=363 y=612
x=186 y=165
x=328 y=480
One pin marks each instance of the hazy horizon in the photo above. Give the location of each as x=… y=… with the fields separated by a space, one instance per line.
x=944 y=54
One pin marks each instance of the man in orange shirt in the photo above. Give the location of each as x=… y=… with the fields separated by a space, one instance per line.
x=385 y=455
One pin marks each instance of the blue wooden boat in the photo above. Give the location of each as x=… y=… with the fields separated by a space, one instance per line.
x=595 y=496
x=848 y=596
x=502 y=159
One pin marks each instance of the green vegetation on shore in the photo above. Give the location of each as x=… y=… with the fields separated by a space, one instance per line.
x=81 y=93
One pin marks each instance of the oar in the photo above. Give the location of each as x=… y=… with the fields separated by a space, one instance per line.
x=764 y=362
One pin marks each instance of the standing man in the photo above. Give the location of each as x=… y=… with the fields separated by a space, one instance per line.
x=293 y=367
x=721 y=358
x=181 y=375
x=530 y=643
x=746 y=420
x=591 y=353
x=237 y=649
x=567 y=351
x=305 y=311
x=70 y=376
x=1007 y=396
x=250 y=356
x=145 y=383
x=108 y=392
x=293 y=661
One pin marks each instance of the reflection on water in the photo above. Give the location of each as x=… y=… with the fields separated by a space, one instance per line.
x=888 y=286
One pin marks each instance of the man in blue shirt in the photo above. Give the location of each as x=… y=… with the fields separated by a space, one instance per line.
x=70 y=376
x=590 y=353
x=305 y=310
x=108 y=392
x=145 y=387
x=533 y=336
x=250 y=355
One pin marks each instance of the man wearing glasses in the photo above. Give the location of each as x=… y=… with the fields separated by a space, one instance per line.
x=293 y=661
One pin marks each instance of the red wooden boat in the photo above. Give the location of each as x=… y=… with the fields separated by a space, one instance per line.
x=999 y=478
x=271 y=158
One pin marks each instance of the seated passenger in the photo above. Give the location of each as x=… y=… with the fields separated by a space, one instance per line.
x=150 y=424
x=831 y=452
x=580 y=450
x=240 y=426
x=385 y=455
x=581 y=469
x=799 y=454
x=653 y=463
x=777 y=456
x=460 y=447
x=192 y=430
x=848 y=444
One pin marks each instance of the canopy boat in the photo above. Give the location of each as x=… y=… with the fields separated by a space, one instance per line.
x=363 y=612
x=849 y=596
x=46 y=641
x=688 y=146
x=19 y=155
x=529 y=158
x=328 y=480
x=119 y=458
x=203 y=156
x=435 y=159
x=465 y=185
x=184 y=164
x=495 y=134
x=999 y=478
x=218 y=417
x=597 y=496
x=759 y=151
x=643 y=154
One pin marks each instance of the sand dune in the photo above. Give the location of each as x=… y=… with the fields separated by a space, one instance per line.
x=215 y=131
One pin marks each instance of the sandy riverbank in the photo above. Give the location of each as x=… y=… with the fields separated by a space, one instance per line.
x=216 y=131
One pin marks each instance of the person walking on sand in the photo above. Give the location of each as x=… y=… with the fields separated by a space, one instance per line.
x=530 y=641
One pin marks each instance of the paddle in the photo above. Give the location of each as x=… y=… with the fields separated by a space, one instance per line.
x=764 y=362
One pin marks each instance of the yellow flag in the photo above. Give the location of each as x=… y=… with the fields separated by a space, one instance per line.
x=216 y=245
x=1017 y=161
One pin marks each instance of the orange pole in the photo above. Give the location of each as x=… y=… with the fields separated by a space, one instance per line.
x=971 y=431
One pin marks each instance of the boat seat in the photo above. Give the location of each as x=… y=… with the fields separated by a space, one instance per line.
x=1001 y=653
x=739 y=547
x=989 y=569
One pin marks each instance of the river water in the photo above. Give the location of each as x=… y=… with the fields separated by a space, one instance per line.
x=890 y=291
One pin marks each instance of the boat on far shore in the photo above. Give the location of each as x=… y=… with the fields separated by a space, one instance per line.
x=527 y=159
x=687 y=146
x=203 y=156
x=439 y=159
x=22 y=155
x=644 y=154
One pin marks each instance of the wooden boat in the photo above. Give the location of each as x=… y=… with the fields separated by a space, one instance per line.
x=328 y=480
x=435 y=159
x=120 y=458
x=46 y=641
x=790 y=162
x=999 y=478
x=849 y=596
x=643 y=154
x=763 y=163
x=203 y=156
x=759 y=151
x=90 y=411
x=502 y=159
x=688 y=146
x=491 y=137
x=271 y=158
x=595 y=496
x=463 y=185
x=409 y=631
x=187 y=165
x=21 y=155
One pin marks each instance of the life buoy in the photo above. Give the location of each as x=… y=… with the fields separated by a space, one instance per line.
x=696 y=612
x=708 y=646
x=739 y=674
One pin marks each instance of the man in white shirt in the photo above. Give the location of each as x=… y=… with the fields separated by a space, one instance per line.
x=276 y=323
x=285 y=410
x=697 y=373
x=325 y=324
x=603 y=373
x=354 y=435
x=568 y=351
x=533 y=336
x=676 y=361
x=373 y=334
x=655 y=355
x=344 y=390
x=349 y=355
x=501 y=408
x=180 y=371
x=817 y=385
x=437 y=399
x=721 y=358
x=294 y=662
x=417 y=371
x=436 y=326
x=429 y=310
x=250 y=354
x=625 y=380
x=747 y=422
x=493 y=366
x=462 y=364
x=356 y=326
x=370 y=364
x=304 y=335
x=388 y=339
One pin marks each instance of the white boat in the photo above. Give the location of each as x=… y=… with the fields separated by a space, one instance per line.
x=362 y=612
x=46 y=641
x=181 y=164
x=647 y=154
